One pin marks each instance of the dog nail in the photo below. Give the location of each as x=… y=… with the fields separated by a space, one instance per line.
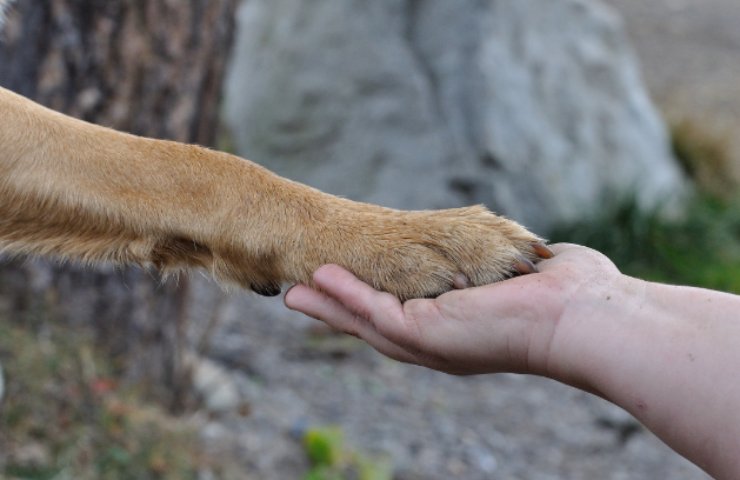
x=525 y=266
x=542 y=250
x=460 y=281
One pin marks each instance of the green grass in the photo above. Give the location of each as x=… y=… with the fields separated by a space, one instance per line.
x=701 y=249
x=331 y=460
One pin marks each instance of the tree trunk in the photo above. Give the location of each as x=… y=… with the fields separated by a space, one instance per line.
x=150 y=68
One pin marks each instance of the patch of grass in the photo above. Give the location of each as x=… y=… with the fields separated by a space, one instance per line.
x=702 y=248
x=330 y=460
x=64 y=416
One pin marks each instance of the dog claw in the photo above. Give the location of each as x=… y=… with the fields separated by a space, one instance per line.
x=525 y=266
x=269 y=290
x=542 y=250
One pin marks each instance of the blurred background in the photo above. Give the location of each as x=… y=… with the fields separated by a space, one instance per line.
x=609 y=123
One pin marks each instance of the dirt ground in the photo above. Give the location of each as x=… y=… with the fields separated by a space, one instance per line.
x=435 y=426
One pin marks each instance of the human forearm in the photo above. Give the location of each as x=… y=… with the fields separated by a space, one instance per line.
x=666 y=354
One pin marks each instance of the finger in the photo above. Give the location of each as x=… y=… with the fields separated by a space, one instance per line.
x=382 y=310
x=356 y=295
x=558 y=248
x=322 y=307
x=561 y=251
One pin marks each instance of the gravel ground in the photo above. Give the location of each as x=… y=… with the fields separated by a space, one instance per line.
x=434 y=426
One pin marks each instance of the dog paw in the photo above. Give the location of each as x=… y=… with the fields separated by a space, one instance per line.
x=424 y=254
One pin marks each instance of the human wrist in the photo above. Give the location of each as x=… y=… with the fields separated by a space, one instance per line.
x=597 y=322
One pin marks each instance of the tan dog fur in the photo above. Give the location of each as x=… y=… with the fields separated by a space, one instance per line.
x=75 y=190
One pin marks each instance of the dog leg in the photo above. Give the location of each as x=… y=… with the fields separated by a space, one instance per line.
x=75 y=190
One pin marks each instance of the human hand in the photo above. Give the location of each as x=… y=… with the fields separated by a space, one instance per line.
x=659 y=351
x=508 y=326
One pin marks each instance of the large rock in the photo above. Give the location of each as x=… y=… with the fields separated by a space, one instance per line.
x=534 y=107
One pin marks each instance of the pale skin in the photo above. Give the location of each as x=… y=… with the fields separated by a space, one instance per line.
x=667 y=354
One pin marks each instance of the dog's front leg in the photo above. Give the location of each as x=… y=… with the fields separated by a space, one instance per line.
x=76 y=190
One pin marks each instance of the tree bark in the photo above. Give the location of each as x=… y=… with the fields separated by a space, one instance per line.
x=151 y=68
